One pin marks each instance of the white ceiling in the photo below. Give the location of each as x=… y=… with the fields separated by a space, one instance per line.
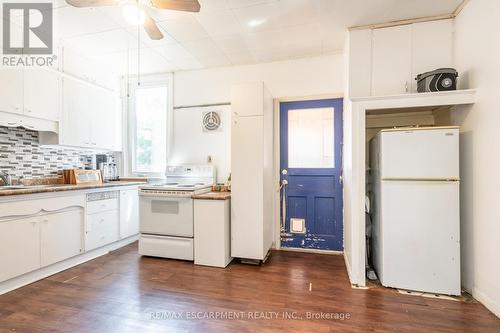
x=228 y=32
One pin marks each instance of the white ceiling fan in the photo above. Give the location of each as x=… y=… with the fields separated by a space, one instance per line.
x=141 y=8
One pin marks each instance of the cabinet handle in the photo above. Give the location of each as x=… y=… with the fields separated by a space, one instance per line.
x=406 y=86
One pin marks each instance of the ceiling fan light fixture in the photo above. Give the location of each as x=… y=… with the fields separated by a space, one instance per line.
x=133 y=14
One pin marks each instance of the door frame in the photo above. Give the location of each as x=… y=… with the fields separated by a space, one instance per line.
x=277 y=161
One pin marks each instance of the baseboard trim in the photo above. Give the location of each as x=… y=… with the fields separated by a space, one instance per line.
x=348 y=268
x=293 y=249
x=489 y=303
x=44 y=272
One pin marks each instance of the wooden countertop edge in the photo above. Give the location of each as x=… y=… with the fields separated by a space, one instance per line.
x=212 y=196
x=66 y=187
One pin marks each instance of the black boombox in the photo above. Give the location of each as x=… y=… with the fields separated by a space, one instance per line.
x=441 y=79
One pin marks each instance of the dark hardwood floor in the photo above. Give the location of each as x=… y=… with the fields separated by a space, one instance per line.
x=123 y=292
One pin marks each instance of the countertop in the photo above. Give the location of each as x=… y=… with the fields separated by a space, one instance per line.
x=213 y=196
x=63 y=187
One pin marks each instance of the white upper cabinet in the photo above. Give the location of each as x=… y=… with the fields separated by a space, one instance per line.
x=385 y=61
x=391 y=65
x=76 y=114
x=91 y=116
x=11 y=90
x=79 y=66
x=42 y=94
x=432 y=47
x=247 y=99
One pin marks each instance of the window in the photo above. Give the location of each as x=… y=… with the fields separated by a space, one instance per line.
x=310 y=138
x=149 y=134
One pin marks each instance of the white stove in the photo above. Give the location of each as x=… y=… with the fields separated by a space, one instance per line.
x=166 y=211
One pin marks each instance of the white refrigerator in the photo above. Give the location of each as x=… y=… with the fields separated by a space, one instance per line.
x=416 y=211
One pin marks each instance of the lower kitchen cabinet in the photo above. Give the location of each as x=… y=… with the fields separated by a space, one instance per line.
x=212 y=234
x=19 y=247
x=37 y=233
x=102 y=229
x=61 y=236
x=129 y=212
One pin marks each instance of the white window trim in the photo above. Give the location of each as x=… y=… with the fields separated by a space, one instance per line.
x=129 y=125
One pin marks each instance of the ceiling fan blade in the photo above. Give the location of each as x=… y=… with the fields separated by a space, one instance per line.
x=151 y=27
x=92 y=3
x=184 y=5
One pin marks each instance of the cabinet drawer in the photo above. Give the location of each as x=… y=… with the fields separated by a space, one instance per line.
x=101 y=229
x=102 y=205
x=166 y=247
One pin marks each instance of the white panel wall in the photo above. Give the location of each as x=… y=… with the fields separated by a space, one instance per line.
x=476 y=56
x=300 y=77
x=192 y=145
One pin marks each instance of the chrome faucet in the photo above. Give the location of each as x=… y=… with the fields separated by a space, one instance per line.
x=7 y=179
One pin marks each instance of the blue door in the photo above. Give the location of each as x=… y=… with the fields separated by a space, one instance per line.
x=311 y=167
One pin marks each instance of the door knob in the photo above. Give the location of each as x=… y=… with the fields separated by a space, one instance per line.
x=284 y=172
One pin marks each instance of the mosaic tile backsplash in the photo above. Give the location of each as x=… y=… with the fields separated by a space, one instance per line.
x=22 y=157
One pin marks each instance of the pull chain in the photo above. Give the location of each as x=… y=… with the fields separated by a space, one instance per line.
x=138 y=45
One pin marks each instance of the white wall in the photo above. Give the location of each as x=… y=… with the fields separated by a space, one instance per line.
x=293 y=78
x=477 y=55
x=193 y=145
x=300 y=77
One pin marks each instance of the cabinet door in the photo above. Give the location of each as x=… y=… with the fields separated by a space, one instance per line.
x=102 y=229
x=75 y=64
x=103 y=133
x=19 y=247
x=42 y=94
x=129 y=213
x=61 y=236
x=247 y=99
x=247 y=167
x=11 y=90
x=432 y=47
x=391 y=66
x=77 y=111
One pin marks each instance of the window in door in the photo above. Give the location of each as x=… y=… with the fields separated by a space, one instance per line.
x=311 y=138
x=150 y=131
